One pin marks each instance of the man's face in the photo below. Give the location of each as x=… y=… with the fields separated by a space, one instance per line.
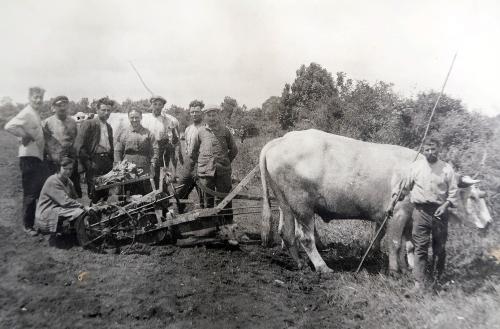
x=135 y=119
x=212 y=118
x=61 y=110
x=157 y=106
x=66 y=171
x=195 y=113
x=36 y=100
x=431 y=152
x=103 y=112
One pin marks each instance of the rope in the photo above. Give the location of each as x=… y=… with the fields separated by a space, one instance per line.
x=395 y=200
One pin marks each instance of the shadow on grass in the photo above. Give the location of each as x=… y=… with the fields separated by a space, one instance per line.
x=346 y=258
x=475 y=274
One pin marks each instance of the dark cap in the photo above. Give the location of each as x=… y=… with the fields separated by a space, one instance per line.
x=157 y=98
x=60 y=100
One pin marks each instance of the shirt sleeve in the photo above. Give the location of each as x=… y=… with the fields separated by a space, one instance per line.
x=58 y=195
x=155 y=149
x=194 y=150
x=119 y=147
x=451 y=178
x=82 y=143
x=16 y=125
x=405 y=185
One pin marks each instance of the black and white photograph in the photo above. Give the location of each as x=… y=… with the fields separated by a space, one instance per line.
x=249 y=164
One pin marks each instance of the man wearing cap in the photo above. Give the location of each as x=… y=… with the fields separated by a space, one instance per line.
x=213 y=150
x=28 y=127
x=186 y=179
x=60 y=133
x=162 y=129
x=433 y=188
x=95 y=144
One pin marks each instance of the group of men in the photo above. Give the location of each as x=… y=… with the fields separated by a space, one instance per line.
x=50 y=150
x=56 y=144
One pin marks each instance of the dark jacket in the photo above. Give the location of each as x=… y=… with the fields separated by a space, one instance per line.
x=88 y=138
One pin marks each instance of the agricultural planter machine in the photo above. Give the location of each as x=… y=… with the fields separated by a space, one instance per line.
x=153 y=217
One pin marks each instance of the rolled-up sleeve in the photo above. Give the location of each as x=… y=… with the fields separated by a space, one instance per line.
x=16 y=126
x=452 y=188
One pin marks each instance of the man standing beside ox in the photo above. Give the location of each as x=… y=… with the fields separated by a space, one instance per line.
x=95 y=142
x=28 y=127
x=433 y=189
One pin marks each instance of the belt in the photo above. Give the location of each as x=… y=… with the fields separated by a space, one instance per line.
x=105 y=154
x=429 y=208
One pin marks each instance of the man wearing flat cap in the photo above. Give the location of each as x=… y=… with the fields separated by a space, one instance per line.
x=27 y=126
x=163 y=129
x=213 y=150
x=60 y=133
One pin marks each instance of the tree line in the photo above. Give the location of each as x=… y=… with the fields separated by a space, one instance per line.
x=366 y=111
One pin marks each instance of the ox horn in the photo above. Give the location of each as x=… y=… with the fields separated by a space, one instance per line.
x=466 y=181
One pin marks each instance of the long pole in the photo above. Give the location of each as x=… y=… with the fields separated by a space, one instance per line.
x=395 y=200
x=140 y=78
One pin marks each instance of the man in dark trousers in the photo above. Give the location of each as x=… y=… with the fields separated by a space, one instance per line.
x=60 y=133
x=212 y=151
x=95 y=145
x=27 y=126
x=433 y=189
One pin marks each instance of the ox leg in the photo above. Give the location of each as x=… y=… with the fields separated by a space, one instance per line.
x=305 y=232
x=410 y=252
x=319 y=244
x=395 y=230
x=286 y=230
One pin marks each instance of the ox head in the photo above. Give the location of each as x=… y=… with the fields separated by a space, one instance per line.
x=470 y=208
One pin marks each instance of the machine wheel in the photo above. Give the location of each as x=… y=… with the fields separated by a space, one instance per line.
x=147 y=222
x=84 y=233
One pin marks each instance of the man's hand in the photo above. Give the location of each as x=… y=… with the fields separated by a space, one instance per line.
x=86 y=208
x=26 y=140
x=441 y=210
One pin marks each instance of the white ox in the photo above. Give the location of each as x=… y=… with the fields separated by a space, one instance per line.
x=313 y=172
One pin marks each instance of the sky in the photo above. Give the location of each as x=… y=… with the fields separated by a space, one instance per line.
x=194 y=49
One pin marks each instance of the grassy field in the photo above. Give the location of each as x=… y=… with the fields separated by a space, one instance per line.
x=253 y=287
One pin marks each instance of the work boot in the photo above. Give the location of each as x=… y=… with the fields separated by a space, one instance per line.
x=30 y=231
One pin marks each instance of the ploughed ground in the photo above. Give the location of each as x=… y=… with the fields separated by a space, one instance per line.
x=215 y=287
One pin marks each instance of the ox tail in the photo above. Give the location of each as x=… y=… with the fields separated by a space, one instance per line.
x=266 y=227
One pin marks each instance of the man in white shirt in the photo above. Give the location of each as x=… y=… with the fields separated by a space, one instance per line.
x=162 y=130
x=190 y=135
x=433 y=188
x=28 y=127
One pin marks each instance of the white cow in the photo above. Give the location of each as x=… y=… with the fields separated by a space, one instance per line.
x=313 y=172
